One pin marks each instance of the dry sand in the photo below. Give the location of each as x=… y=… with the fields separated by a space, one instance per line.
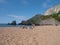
x=40 y=35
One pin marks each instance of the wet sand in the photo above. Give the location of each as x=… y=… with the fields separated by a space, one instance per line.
x=40 y=35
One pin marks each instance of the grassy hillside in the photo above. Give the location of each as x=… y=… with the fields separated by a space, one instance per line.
x=56 y=16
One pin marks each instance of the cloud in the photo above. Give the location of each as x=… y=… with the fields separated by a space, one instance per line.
x=3 y=1
x=24 y=2
x=44 y=5
x=17 y=17
x=48 y=1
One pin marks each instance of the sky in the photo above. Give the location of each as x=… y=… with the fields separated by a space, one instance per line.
x=23 y=9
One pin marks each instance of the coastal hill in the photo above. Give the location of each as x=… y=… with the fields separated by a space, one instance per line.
x=53 y=17
x=33 y=20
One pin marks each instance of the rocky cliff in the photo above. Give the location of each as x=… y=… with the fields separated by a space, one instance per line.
x=53 y=10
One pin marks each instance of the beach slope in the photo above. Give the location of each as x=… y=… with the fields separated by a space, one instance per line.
x=40 y=35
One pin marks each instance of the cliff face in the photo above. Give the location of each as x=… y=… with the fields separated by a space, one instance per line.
x=53 y=10
x=34 y=20
x=51 y=17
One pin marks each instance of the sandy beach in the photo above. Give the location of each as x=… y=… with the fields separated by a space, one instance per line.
x=40 y=35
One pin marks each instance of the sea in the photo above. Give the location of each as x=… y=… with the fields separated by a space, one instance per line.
x=6 y=25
